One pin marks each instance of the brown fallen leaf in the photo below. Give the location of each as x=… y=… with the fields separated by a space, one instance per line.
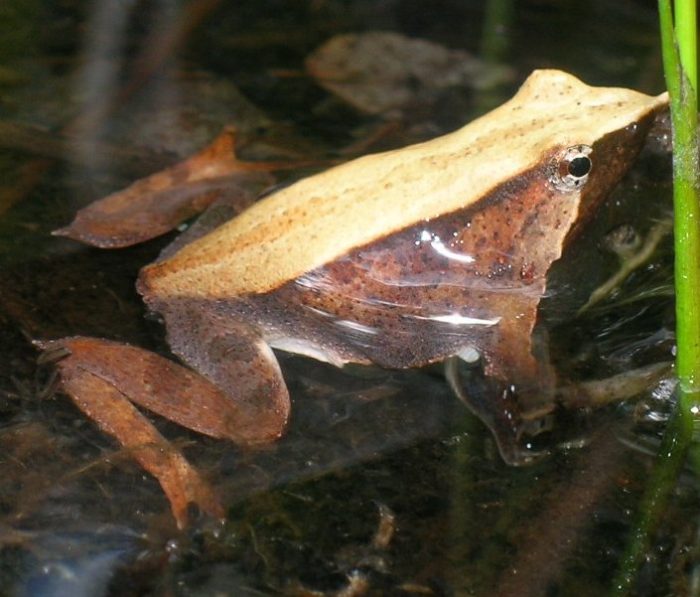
x=380 y=71
x=158 y=203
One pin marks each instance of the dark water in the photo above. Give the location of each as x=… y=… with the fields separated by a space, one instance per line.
x=385 y=484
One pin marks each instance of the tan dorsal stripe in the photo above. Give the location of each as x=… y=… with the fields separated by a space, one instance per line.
x=320 y=218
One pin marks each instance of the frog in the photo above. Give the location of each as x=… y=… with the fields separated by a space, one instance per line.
x=401 y=259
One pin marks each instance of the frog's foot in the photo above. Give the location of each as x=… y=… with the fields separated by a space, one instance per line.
x=104 y=378
x=623 y=386
x=500 y=412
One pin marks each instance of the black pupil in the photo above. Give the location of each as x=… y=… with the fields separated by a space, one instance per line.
x=580 y=166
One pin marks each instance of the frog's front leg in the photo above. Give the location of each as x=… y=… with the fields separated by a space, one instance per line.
x=516 y=396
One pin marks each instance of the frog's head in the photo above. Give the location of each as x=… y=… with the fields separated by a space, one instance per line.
x=576 y=139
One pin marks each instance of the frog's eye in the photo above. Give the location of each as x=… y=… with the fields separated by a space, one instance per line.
x=570 y=168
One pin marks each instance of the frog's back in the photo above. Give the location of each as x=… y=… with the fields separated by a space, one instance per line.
x=323 y=217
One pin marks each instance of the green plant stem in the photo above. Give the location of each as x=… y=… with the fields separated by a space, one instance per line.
x=680 y=66
x=663 y=478
x=680 y=69
x=498 y=17
x=686 y=34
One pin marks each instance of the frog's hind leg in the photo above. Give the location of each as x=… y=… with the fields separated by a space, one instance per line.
x=104 y=378
x=234 y=358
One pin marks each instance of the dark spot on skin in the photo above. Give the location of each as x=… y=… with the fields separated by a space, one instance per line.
x=531 y=219
x=527 y=272
x=500 y=269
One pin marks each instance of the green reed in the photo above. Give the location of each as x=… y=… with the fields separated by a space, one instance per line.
x=679 y=51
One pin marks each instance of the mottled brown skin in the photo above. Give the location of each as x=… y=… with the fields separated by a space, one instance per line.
x=377 y=304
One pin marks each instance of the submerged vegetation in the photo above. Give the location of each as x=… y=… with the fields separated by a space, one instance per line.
x=679 y=49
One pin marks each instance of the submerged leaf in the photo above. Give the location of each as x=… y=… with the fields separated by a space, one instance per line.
x=158 y=203
x=380 y=71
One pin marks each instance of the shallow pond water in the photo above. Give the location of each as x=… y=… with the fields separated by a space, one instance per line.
x=385 y=484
